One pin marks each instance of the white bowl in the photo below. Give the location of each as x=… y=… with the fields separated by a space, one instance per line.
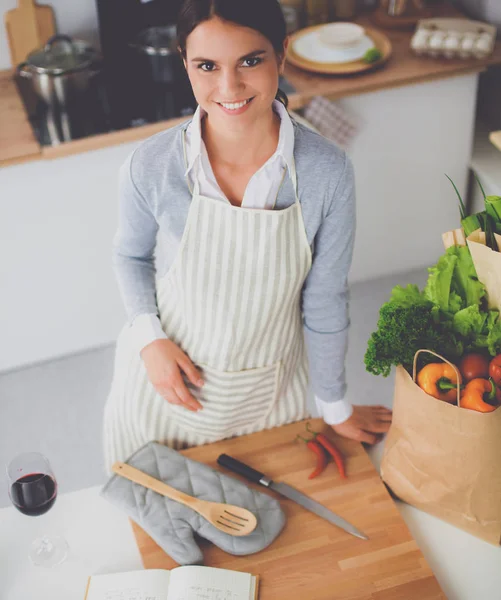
x=340 y=35
x=308 y=46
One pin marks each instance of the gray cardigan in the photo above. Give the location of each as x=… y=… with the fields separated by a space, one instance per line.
x=154 y=197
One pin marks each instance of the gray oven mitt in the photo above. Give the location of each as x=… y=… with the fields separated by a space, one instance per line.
x=173 y=525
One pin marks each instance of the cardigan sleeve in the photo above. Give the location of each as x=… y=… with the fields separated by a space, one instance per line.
x=134 y=246
x=325 y=295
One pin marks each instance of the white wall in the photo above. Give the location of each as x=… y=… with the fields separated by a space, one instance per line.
x=58 y=294
x=77 y=18
x=485 y=10
x=410 y=137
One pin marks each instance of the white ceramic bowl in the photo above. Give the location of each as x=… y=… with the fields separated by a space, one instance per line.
x=340 y=35
x=308 y=46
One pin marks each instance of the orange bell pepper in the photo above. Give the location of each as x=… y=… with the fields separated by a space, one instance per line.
x=440 y=381
x=474 y=394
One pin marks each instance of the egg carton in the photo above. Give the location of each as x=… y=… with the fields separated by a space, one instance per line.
x=453 y=38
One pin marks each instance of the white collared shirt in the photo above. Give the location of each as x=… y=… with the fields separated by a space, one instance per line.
x=260 y=193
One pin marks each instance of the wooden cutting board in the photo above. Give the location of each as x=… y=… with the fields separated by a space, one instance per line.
x=311 y=558
x=28 y=27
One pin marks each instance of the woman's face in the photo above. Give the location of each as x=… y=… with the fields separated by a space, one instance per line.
x=233 y=71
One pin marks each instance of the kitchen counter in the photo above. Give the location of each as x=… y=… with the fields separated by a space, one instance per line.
x=101 y=541
x=18 y=143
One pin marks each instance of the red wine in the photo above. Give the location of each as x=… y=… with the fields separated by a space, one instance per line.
x=34 y=494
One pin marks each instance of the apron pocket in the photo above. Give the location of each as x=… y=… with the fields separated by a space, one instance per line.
x=232 y=401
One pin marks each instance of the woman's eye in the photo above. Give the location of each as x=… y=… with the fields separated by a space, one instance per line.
x=207 y=66
x=253 y=61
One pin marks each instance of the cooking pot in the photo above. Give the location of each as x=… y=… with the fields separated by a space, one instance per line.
x=158 y=45
x=159 y=60
x=61 y=70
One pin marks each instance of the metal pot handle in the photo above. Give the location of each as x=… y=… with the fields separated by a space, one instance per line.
x=59 y=38
x=23 y=71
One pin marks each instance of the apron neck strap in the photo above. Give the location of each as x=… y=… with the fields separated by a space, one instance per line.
x=293 y=175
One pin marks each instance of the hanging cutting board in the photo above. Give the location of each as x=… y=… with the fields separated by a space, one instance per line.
x=312 y=559
x=28 y=27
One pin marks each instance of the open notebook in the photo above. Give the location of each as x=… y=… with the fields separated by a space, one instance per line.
x=181 y=583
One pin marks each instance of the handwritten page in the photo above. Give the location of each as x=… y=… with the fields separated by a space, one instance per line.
x=204 y=583
x=151 y=584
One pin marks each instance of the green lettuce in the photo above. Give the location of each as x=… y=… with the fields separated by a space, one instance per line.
x=453 y=283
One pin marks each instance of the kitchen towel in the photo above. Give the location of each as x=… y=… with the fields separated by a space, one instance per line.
x=332 y=121
x=172 y=525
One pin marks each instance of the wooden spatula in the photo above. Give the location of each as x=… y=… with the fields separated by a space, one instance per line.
x=228 y=518
x=28 y=27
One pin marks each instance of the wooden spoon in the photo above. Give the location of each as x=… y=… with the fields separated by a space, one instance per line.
x=228 y=518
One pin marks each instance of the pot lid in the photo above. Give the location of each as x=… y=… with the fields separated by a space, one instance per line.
x=160 y=40
x=60 y=55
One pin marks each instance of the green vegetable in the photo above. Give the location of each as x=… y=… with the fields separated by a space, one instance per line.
x=465 y=282
x=493 y=208
x=449 y=317
x=469 y=223
x=438 y=286
x=453 y=283
x=494 y=337
x=407 y=323
x=492 y=205
x=469 y=321
x=489 y=226
x=372 y=55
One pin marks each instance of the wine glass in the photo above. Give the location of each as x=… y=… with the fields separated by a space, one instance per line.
x=33 y=491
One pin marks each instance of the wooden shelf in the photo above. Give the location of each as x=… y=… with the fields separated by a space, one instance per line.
x=495 y=138
x=18 y=143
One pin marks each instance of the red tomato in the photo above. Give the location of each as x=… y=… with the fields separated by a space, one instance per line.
x=495 y=369
x=474 y=366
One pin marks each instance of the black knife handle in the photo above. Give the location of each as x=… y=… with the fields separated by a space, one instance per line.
x=242 y=469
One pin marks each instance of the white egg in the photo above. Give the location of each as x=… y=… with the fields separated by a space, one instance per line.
x=419 y=41
x=467 y=42
x=452 y=42
x=436 y=40
x=481 y=47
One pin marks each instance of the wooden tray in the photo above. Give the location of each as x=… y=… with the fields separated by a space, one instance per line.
x=311 y=558
x=381 y=42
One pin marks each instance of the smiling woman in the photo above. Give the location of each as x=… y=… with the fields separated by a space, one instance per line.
x=262 y=16
x=256 y=217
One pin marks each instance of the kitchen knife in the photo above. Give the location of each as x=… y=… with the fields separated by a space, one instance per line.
x=289 y=492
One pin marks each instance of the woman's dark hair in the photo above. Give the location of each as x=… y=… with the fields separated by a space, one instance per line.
x=264 y=16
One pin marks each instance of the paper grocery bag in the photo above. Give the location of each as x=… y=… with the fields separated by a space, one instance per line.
x=488 y=266
x=445 y=460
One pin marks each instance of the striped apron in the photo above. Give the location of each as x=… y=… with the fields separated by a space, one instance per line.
x=231 y=302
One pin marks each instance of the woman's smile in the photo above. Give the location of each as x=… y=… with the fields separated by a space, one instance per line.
x=235 y=108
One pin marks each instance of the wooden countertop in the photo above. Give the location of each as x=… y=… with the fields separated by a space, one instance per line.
x=18 y=143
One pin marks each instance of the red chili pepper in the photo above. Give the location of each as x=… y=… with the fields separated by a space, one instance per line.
x=331 y=449
x=320 y=454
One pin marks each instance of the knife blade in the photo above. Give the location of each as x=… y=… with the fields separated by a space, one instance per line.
x=289 y=492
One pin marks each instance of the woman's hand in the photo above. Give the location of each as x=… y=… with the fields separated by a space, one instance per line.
x=366 y=424
x=163 y=360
